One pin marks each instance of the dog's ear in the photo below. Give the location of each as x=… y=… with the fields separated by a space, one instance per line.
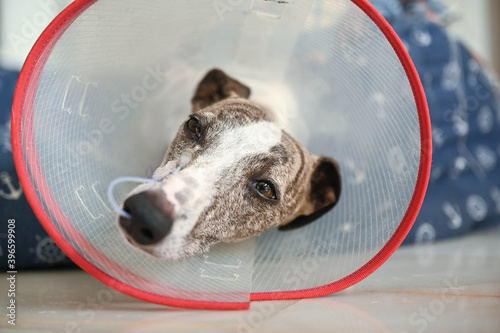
x=216 y=86
x=324 y=193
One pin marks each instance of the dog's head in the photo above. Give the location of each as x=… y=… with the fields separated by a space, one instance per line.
x=246 y=176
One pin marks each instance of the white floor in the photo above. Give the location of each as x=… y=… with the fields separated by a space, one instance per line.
x=453 y=286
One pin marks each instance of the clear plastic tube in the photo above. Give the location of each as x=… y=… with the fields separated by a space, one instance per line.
x=184 y=159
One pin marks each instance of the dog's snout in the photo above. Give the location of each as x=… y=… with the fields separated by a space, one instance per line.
x=151 y=217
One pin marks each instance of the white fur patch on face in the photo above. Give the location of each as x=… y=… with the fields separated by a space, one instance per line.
x=192 y=189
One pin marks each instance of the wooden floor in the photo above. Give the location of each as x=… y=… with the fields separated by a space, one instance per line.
x=452 y=286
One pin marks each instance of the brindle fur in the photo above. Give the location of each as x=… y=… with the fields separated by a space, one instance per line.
x=307 y=185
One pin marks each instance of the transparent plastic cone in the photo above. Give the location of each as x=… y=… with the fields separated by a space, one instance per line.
x=106 y=87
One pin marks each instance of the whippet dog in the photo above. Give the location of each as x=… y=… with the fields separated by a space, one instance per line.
x=245 y=175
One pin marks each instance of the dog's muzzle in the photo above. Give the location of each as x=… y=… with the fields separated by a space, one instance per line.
x=151 y=217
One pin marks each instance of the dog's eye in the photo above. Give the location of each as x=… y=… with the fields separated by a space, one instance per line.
x=193 y=125
x=265 y=189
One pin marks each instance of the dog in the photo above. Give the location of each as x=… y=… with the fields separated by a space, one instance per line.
x=246 y=174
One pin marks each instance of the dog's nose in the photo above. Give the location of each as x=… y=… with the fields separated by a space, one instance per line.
x=150 y=217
